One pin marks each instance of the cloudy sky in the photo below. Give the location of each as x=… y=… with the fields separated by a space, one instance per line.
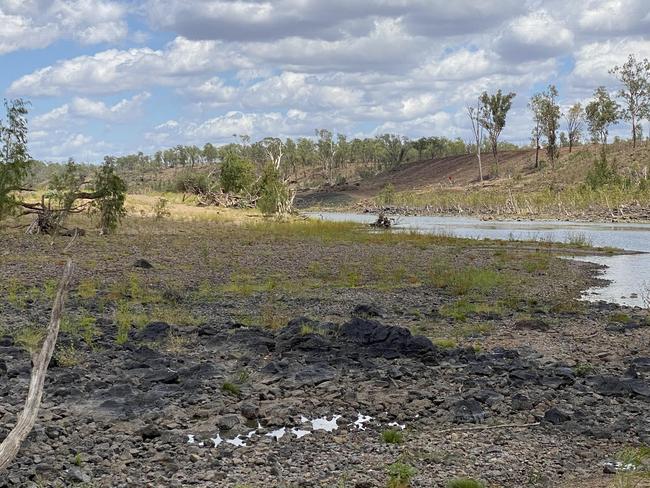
x=118 y=76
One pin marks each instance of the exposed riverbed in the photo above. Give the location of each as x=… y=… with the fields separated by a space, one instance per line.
x=628 y=275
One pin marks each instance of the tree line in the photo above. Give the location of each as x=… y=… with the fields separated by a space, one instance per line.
x=599 y=114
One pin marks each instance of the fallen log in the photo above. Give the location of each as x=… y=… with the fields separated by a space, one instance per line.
x=40 y=361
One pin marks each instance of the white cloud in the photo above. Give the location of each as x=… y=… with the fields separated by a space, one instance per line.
x=388 y=47
x=460 y=65
x=593 y=61
x=615 y=16
x=534 y=36
x=115 y=70
x=32 y=24
x=251 y=20
x=85 y=108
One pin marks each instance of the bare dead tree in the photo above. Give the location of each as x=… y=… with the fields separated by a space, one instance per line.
x=11 y=445
x=477 y=131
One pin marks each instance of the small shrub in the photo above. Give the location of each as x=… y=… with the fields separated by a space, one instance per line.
x=602 y=174
x=583 y=369
x=67 y=356
x=400 y=475
x=160 y=209
x=231 y=388
x=392 y=436
x=387 y=195
x=30 y=338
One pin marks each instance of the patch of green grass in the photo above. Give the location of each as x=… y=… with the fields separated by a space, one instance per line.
x=537 y=262
x=465 y=483
x=231 y=388
x=87 y=289
x=30 y=338
x=461 y=309
x=392 y=436
x=176 y=315
x=306 y=329
x=583 y=369
x=50 y=287
x=400 y=475
x=15 y=293
x=620 y=317
x=67 y=356
x=636 y=467
x=444 y=343
x=465 y=280
x=568 y=306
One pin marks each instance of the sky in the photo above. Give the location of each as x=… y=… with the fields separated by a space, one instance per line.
x=122 y=76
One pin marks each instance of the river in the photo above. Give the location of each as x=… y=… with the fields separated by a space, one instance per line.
x=628 y=275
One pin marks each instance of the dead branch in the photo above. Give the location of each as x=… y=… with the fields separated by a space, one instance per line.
x=11 y=445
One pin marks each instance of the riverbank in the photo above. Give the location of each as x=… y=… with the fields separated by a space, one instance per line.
x=438 y=334
x=335 y=201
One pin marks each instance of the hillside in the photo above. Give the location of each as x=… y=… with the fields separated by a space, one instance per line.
x=450 y=185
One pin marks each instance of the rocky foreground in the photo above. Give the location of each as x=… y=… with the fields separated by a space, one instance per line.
x=140 y=414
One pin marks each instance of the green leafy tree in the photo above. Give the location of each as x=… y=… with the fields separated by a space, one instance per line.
x=275 y=197
x=14 y=159
x=574 y=121
x=635 y=77
x=601 y=113
x=494 y=110
x=547 y=117
x=109 y=196
x=237 y=174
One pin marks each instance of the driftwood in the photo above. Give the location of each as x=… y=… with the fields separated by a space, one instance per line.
x=228 y=200
x=382 y=221
x=40 y=361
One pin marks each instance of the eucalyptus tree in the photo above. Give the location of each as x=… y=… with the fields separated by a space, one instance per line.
x=600 y=114
x=635 y=91
x=574 y=120
x=14 y=158
x=546 y=115
x=494 y=110
x=326 y=150
x=395 y=149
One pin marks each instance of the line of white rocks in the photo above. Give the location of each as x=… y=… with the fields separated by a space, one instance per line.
x=322 y=423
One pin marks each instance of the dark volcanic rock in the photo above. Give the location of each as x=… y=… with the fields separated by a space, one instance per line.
x=468 y=410
x=532 y=324
x=149 y=432
x=556 y=415
x=385 y=340
x=3 y=367
x=154 y=331
x=367 y=311
x=314 y=374
x=142 y=263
